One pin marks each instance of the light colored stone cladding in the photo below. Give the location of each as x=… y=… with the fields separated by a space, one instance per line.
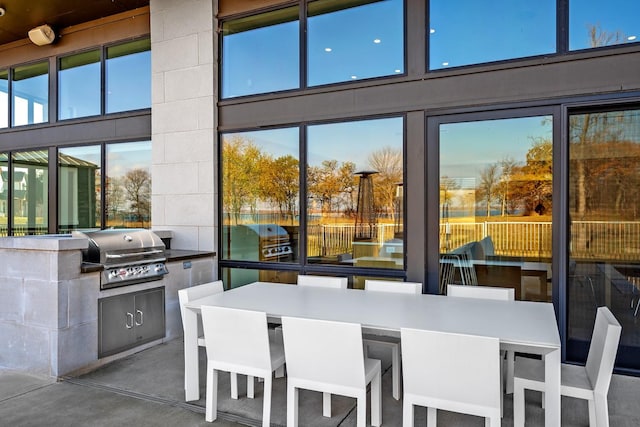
x=184 y=159
x=49 y=308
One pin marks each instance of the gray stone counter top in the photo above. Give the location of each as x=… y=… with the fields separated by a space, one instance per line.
x=181 y=254
x=46 y=242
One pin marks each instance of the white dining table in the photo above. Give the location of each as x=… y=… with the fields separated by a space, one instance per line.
x=523 y=326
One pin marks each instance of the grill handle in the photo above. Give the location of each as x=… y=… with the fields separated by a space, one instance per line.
x=120 y=256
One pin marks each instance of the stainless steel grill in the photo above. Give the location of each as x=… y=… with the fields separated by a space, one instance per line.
x=128 y=256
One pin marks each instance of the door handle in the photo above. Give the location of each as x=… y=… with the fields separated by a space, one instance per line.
x=129 y=322
x=141 y=314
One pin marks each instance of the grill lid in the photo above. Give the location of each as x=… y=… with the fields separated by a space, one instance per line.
x=119 y=247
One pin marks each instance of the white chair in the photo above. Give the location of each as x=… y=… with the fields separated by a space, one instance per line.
x=186 y=295
x=392 y=343
x=326 y=281
x=454 y=372
x=238 y=342
x=589 y=382
x=497 y=293
x=327 y=356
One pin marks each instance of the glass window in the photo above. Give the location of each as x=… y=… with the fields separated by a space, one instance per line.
x=471 y=32
x=496 y=205
x=128 y=76
x=354 y=194
x=236 y=277
x=604 y=209
x=4 y=99
x=79 y=85
x=261 y=53
x=592 y=25
x=30 y=192
x=4 y=194
x=354 y=40
x=30 y=92
x=79 y=188
x=128 y=184
x=260 y=196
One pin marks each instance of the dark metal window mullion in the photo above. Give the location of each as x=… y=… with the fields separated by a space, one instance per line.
x=302 y=194
x=103 y=186
x=103 y=85
x=303 y=45
x=10 y=194
x=562 y=26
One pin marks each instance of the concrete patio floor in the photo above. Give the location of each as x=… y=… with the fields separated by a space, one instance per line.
x=146 y=389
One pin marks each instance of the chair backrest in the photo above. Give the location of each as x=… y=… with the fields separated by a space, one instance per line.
x=480 y=291
x=186 y=295
x=393 y=286
x=326 y=281
x=463 y=369
x=324 y=351
x=236 y=337
x=447 y=271
x=603 y=350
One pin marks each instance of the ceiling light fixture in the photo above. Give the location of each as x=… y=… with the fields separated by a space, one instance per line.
x=2 y=11
x=42 y=35
x=631 y=38
x=376 y=41
x=327 y=49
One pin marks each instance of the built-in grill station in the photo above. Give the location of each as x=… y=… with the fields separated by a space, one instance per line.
x=129 y=256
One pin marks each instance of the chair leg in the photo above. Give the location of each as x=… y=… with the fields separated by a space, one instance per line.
x=361 y=410
x=407 y=413
x=518 y=404
x=326 y=405
x=492 y=422
x=395 y=371
x=432 y=417
x=292 y=406
x=234 y=385
x=601 y=411
x=266 y=402
x=376 y=400
x=511 y=359
x=211 y=411
x=250 y=391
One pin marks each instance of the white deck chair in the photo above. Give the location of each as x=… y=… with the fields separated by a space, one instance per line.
x=490 y=292
x=186 y=295
x=371 y=339
x=589 y=382
x=328 y=357
x=238 y=341
x=454 y=372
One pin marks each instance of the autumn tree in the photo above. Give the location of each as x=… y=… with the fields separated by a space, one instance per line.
x=280 y=184
x=324 y=184
x=240 y=172
x=532 y=182
x=507 y=166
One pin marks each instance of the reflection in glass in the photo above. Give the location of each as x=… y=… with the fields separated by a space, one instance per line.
x=4 y=194
x=30 y=192
x=260 y=195
x=79 y=85
x=261 y=53
x=236 y=277
x=30 y=92
x=496 y=204
x=604 y=248
x=78 y=188
x=128 y=184
x=472 y=32
x=592 y=25
x=4 y=99
x=128 y=76
x=354 y=40
x=354 y=194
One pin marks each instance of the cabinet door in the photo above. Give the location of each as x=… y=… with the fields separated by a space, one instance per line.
x=149 y=316
x=116 y=324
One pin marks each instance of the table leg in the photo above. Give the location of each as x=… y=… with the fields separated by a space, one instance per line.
x=552 y=389
x=191 y=364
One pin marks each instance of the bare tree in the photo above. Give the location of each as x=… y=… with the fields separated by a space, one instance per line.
x=388 y=163
x=137 y=185
x=488 y=187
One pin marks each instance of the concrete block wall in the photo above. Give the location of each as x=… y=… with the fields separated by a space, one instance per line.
x=46 y=305
x=184 y=159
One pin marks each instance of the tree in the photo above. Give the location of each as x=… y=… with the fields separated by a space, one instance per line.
x=388 y=163
x=280 y=183
x=137 y=185
x=532 y=183
x=114 y=195
x=240 y=176
x=324 y=184
x=488 y=187
x=508 y=166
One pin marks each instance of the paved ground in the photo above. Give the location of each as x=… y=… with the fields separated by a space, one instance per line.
x=145 y=389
